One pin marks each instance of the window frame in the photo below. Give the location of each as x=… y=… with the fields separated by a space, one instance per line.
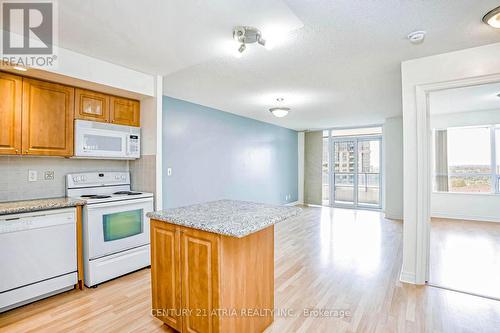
x=494 y=174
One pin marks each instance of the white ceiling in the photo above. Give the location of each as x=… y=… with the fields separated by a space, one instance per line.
x=338 y=65
x=474 y=98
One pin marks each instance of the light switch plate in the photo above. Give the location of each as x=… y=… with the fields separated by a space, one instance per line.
x=32 y=175
x=169 y=171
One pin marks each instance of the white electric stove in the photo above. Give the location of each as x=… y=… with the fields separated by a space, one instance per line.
x=115 y=227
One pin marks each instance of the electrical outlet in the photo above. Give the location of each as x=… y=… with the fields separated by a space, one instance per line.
x=48 y=175
x=169 y=171
x=32 y=175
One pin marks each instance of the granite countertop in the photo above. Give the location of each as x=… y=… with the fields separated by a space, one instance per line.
x=15 y=207
x=227 y=217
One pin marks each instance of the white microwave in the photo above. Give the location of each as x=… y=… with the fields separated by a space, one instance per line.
x=108 y=141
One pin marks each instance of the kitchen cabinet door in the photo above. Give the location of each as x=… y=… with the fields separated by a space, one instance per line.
x=91 y=105
x=48 y=114
x=200 y=280
x=165 y=273
x=10 y=114
x=125 y=111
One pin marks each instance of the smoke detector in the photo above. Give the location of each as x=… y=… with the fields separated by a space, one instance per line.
x=417 y=37
x=247 y=35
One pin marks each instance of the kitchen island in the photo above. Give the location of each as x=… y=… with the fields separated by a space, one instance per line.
x=212 y=265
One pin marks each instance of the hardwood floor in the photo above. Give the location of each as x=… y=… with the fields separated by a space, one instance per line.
x=330 y=259
x=465 y=256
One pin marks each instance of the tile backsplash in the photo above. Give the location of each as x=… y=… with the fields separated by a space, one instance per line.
x=143 y=173
x=14 y=184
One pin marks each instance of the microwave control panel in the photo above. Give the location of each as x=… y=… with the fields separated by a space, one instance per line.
x=134 y=145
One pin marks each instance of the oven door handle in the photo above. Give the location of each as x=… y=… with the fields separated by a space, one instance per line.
x=118 y=203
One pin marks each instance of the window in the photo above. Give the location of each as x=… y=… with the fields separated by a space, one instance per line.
x=464 y=159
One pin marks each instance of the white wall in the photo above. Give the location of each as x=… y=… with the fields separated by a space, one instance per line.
x=393 y=167
x=469 y=118
x=465 y=206
x=301 y=147
x=81 y=67
x=147 y=172
x=474 y=65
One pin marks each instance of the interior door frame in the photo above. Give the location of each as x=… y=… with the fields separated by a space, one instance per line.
x=424 y=170
x=331 y=170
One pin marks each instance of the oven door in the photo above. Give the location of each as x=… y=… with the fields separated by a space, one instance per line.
x=113 y=227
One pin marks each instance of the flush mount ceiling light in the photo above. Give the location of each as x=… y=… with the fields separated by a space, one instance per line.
x=493 y=18
x=247 y=35
x=417 y=37
x=279 y=112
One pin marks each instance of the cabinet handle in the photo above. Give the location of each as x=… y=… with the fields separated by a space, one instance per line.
x=26 y=151
x=17 y=151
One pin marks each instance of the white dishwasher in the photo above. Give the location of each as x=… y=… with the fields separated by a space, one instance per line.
x=38 y=256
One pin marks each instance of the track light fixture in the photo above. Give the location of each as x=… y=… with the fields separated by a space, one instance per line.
x=247 y=35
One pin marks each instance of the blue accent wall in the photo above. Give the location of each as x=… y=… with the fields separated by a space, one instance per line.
x=218 y=155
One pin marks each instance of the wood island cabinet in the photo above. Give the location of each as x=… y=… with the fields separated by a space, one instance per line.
x=165 y=274
x=11 y=89
x=207 y=282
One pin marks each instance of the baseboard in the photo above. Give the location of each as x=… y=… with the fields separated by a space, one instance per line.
x=407 y=277
x=393 y=217
x=313 y=205
x=295 y=203
x=466 y=217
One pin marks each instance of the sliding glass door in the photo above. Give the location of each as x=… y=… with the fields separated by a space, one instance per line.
x=355 y=172
x=344 y=167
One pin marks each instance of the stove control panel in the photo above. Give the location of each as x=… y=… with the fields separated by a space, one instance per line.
x=88 y=179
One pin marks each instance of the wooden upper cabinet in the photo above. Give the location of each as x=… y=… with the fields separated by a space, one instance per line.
x=10 y=114
x=91 y=105
x=48 y=113
x=125 y=111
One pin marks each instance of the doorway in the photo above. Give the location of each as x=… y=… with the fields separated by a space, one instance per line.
x=355 y=172
x=465 y=173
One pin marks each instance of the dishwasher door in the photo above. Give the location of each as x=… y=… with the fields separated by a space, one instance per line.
x=36 y=247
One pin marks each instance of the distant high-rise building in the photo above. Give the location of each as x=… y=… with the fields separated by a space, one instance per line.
x=344 y=157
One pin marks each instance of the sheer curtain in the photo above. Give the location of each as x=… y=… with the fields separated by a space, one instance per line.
x=441 y=160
